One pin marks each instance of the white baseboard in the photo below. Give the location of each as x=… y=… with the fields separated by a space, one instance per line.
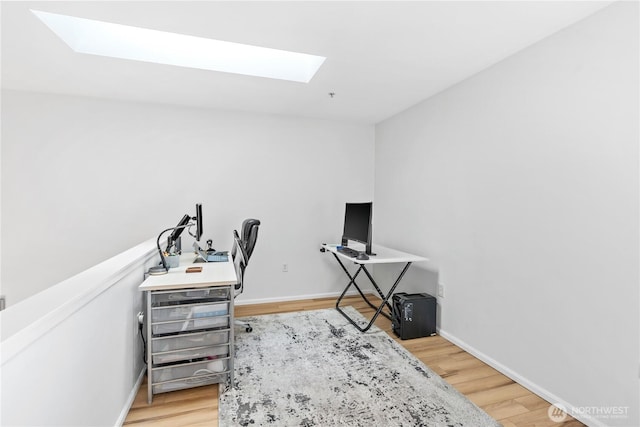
x=240 y=301
x=131 y=398
x=523 y=381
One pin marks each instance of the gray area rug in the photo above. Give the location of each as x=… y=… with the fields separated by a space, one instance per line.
x=313 y=368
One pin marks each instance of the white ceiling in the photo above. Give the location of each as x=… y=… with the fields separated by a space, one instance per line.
x=382 y=57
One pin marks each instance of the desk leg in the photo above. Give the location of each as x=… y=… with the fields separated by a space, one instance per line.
x=232 y=338
x=147 y=319
x=385 y=298
x=351 y=282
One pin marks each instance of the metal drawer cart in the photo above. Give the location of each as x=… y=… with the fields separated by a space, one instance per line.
x=189 y=321
x=190 y=338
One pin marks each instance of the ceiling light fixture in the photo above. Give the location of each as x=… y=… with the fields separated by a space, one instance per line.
x=141 y=44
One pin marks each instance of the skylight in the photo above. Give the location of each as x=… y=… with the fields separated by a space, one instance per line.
x=141 y=44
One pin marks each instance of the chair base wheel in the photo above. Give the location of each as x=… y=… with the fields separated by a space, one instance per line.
x=249 y=329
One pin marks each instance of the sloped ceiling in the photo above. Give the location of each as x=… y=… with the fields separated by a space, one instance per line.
x=382 y=57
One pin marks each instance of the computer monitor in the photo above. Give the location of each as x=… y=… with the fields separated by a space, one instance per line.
x=198 y=219
x=357 y=224
x=185 y=222
x=177 y=231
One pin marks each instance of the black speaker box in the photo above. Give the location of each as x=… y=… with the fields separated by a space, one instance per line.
x=414 y=315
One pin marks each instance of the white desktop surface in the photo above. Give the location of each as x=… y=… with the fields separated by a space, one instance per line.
x=213 y=274
x=383 y=255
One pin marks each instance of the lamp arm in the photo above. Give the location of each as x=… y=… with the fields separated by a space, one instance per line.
x=190 y=225
x=164 y=263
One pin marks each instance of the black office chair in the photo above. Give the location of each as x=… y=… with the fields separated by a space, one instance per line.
x=241 y=252
x=250 y=235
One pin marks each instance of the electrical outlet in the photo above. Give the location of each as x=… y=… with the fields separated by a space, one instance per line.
x=441 y=289
x=285 y=268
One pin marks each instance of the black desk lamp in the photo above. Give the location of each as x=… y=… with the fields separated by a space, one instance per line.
x=185 y=222
x=163 y=269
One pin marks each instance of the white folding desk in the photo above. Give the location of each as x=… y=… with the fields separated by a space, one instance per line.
x=189 y=320
x=213 y=274
x=383 y=256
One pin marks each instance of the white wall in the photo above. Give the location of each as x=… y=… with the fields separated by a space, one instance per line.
x=85 y=179
x=521 y=186
x=72 y=354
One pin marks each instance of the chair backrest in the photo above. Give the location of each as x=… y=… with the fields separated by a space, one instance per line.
x=239 y=257
x=243 y=248
x=250 y=235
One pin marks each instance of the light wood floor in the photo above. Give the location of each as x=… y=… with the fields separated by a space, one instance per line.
x=499 y=396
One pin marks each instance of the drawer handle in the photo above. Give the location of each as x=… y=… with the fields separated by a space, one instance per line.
x=213 y=367
x=202 y=372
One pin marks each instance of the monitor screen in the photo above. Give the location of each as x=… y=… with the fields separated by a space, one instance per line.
x=198 y=222
x=357 y=223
